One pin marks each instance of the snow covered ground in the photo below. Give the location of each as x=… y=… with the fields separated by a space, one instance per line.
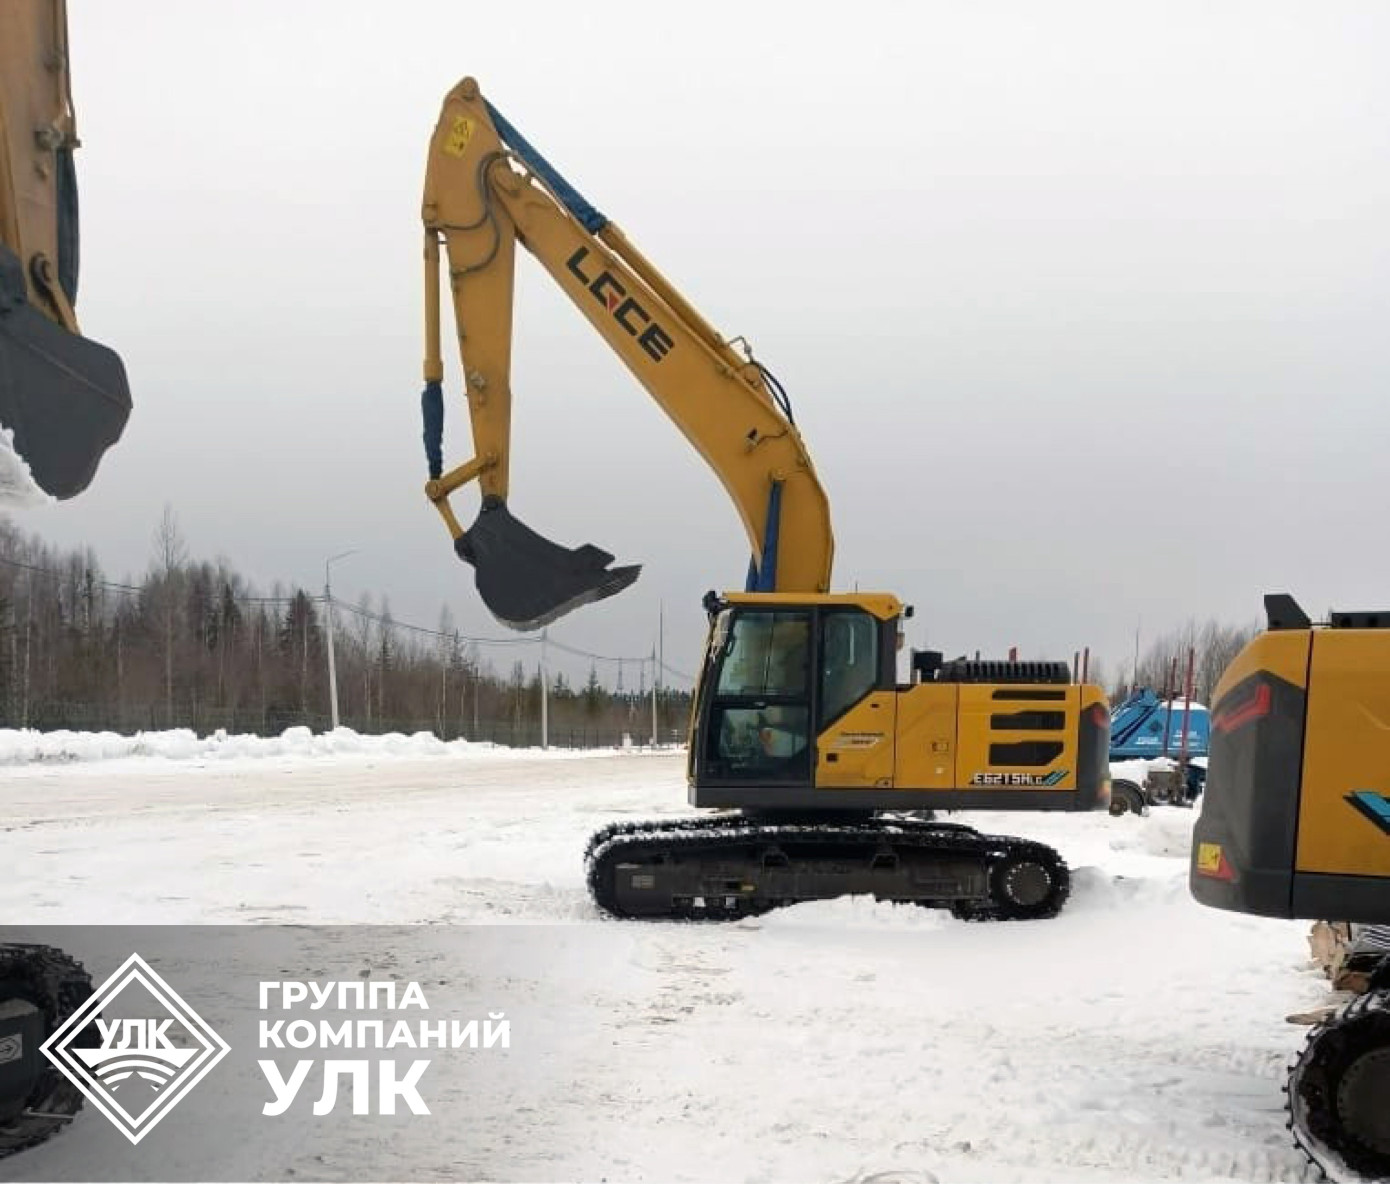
x=1135 y=1037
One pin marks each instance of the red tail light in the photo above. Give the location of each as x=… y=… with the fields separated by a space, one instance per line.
x=1237 y=715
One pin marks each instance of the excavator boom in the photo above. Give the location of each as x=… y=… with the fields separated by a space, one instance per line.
x=487 y=189
x=64 y=399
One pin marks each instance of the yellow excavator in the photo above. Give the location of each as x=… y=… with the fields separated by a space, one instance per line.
x=64 y=399
x=826 y=769
x=1295 y=823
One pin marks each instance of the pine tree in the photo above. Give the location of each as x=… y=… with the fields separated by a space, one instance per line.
x=594 y=694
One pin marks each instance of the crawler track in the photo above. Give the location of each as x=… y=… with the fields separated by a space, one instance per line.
x=1339 y=1091
x=728 y=866
x=40 y=987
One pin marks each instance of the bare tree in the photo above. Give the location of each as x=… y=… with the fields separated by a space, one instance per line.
x=170 y=554
x=448 y=657
x=362 y=638
x=1212 y=644
x=1095 y=672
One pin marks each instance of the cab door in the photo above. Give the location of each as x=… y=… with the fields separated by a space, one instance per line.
x=757 y=724
x=856 y=714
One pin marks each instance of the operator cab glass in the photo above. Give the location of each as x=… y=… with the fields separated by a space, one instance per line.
x=851 y=655
x=759 y=691
x=773 y=680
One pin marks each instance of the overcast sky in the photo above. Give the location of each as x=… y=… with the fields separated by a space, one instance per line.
x=1082 y=306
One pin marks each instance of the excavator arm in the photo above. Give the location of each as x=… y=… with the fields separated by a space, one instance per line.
x=64 y=399
x=486 y=190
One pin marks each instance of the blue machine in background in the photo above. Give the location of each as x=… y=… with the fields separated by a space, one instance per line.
x=1137 y=729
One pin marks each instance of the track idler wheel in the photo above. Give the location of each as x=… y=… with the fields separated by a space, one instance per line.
x=1023 y=883
x=1024 y=886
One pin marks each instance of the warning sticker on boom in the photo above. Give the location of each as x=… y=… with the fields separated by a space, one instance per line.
x=456 y=143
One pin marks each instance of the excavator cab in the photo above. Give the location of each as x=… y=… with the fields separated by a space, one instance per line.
x=64 y=399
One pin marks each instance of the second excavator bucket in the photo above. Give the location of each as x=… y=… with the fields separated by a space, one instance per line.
x=64 y=398
x=527 y=581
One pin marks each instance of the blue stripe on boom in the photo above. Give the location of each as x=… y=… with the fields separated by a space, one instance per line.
x=432 y=413
x=764 y=578
x=589 y=218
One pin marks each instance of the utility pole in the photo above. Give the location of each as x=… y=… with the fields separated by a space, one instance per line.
x=653 y=696
x=332 y=667
x=545 y=696
x=660 y=640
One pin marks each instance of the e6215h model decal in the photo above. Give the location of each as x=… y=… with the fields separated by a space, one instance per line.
x=1375 y=806
x=1020 y=779
x=656 y=343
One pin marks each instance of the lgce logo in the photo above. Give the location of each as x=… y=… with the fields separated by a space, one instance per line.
x=144 y=1066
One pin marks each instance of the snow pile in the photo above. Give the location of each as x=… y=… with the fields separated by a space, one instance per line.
x=17 y=485
x=1137 y=770
x=1178 y=706
x=27 y=747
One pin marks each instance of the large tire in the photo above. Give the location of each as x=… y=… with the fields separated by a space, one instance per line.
x=1126 y=798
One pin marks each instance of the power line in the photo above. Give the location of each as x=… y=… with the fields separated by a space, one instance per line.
x=532 y=639
x=677 y=673
x=53 y=574
x=449 y=635
x=581 y=653
x=132 y=589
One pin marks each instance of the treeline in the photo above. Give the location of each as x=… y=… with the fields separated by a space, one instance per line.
x=194 y=645
x=1163 y=666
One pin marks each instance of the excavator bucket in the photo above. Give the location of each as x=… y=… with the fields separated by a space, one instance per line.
x=64 y=398
x=526 y=581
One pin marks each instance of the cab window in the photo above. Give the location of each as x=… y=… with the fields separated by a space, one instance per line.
x=768 y=654
x=849 y=665
x=760 y=717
